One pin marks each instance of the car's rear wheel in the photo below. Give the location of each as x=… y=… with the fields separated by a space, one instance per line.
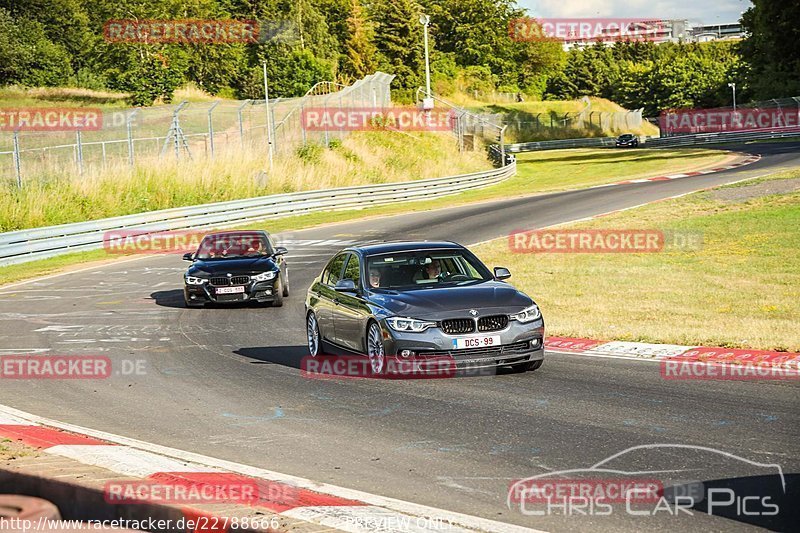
x=375 y=352
x=528 y=366
x=314 y=338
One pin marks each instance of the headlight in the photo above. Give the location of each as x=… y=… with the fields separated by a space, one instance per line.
x=265 y=276
x=191 y=280
x=527 y=315
x=409 y=324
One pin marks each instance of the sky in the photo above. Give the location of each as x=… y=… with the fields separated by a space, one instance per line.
x=696 y=11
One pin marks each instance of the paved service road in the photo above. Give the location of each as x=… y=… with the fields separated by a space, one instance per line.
x=225 y=382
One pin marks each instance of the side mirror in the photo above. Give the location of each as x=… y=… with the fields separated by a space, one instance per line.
x=345 y=285
x=280 y=250
x=188 y=257
x=501 y=273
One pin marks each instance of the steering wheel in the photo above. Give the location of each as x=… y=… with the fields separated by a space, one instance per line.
x=456 y=277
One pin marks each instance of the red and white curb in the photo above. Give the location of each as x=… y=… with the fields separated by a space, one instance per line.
x=327 y=505
x=747 y=161
x=788 y=361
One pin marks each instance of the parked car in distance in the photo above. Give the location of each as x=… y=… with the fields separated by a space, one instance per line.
x=627 y=140
x=236 y=266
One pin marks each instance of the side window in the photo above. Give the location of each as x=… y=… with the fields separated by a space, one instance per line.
x=353 y=270
x=333 y=271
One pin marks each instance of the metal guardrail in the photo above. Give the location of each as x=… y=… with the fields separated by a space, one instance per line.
x=39 y=243
x=721 y=137
x=590 y=142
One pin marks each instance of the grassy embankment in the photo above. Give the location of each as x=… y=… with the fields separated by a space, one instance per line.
x=741 y=289
x=521 y=119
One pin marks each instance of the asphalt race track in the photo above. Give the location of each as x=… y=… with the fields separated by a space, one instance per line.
x=225 y=382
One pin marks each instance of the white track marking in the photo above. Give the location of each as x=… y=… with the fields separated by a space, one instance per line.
x=59 y=274
x=123 y=460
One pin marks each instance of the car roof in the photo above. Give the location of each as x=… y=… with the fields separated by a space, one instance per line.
x=404 y=246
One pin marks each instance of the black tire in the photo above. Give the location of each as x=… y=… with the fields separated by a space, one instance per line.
x=528 y=366
x=311 y=327
x=373 y=341
x=286 y=286
x=278 y=294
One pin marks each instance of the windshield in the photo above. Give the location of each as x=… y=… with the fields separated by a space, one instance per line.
x=230 y=245
x=424 y=269
x=626 y=137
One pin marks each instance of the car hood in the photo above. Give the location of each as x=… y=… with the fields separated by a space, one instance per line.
x=245 y=265
x=492 y=297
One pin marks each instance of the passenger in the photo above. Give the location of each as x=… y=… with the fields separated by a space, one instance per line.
x=374 y=278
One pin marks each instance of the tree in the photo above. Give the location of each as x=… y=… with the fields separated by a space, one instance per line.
x=359 y=56
x=399 y=39
x=772 y=48
x=28 y=57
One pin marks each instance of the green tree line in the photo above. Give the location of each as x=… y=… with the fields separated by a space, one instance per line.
x=61 y=43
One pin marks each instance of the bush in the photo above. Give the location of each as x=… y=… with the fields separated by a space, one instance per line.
x=310 y=153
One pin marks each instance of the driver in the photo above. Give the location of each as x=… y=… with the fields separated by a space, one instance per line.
x=431 y=271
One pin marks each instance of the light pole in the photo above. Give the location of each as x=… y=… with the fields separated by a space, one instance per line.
x=732 y=85
x=425 y=20
x=269 y=122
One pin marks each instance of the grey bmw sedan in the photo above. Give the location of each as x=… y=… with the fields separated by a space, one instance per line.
x=419 y=304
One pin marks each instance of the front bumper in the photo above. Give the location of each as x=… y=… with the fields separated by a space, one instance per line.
x=431 y=349
x=262 y=291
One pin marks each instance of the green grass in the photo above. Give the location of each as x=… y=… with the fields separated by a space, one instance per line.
x=741 y=289
x=521 y=117
x=537 y=172
x=362 y=158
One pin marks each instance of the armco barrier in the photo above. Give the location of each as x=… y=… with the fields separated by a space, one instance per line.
x=39 y=243
x=590 y=142
x=718 y=138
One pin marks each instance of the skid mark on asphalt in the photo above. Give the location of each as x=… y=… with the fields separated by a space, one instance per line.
x=501 y=449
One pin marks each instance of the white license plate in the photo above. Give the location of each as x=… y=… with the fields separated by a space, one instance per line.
x=230 y=290
x=476 y=342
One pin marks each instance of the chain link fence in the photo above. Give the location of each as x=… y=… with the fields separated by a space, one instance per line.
x=183 y=131
x=472 y=131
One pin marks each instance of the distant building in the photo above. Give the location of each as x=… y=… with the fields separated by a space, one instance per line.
x=664 y=31
x=714 y=32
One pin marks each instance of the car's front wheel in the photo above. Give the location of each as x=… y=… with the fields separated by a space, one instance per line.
x=278 y=294
x=286 y=286
x=312 y=333
x=375 y=351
